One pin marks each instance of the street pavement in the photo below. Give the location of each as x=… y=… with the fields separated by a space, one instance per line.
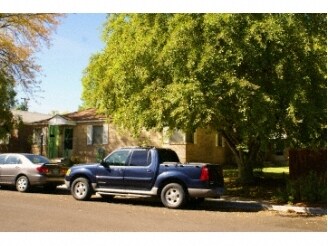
x=243 y=204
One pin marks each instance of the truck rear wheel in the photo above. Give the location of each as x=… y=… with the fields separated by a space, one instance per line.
x=81 y=189
x=173 y=195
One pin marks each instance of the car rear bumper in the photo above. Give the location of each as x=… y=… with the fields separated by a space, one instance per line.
x=42 y=180
x=207 y=193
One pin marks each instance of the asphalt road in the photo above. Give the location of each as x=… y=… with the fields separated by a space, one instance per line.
x=59 y=212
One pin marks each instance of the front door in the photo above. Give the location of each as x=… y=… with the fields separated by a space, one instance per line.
x=68 y=142
x=111 y=173
x=53 y=141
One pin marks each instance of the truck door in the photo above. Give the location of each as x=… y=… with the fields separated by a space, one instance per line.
x=139 y=173
x=110 y=174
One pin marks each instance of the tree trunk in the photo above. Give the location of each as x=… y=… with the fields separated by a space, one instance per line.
x=245 y=160
x=245 y=171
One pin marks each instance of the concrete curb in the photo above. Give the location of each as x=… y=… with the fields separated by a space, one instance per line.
x=296 y=209
x=249 y=204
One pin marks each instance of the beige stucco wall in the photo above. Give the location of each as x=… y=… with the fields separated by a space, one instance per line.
x=204 y=149
x=116 y=138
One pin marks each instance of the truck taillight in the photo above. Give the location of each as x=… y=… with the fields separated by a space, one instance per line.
x=42 y=170
x=204 y=175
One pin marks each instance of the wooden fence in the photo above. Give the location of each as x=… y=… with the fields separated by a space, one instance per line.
x=304 y=161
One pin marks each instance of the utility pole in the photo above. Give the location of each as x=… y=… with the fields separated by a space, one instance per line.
x=24 y=106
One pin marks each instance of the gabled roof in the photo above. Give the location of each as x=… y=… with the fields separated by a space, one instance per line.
x=85 y=115
x=30 y=117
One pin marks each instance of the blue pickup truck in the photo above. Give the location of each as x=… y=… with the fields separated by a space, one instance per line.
x=146 y=171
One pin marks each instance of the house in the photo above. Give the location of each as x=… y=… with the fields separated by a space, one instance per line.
x=86 y=136
x=20 y=139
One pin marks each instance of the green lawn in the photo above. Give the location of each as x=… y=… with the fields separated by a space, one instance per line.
x=276 y=170
x=269 y=181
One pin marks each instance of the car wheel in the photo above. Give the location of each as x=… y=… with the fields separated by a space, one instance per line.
x=81 y=189
x=173 y=195
x=22 y=184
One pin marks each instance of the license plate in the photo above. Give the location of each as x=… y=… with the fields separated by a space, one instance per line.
x=55 y=171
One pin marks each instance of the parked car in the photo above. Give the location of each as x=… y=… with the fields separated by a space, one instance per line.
x=146 y=171
x=26 y=170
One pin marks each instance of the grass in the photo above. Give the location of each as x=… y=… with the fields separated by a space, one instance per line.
x=269 y=182
x=275 y=170
x=273 y=184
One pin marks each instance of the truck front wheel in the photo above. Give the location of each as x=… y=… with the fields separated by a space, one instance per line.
x=81 y=189
x=173 y=195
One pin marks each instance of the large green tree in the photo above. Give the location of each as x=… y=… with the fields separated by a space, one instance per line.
x=252 y=77
x=21 y=36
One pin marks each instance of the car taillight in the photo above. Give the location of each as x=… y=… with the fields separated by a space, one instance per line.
x=204 y=175
x=42 y=170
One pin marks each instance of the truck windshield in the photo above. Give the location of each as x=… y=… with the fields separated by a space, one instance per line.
x=167 y=155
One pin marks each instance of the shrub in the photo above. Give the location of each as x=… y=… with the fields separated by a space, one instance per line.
x=310 y=188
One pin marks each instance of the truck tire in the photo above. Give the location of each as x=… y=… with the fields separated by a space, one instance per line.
x=173 y=195
x=81 y=189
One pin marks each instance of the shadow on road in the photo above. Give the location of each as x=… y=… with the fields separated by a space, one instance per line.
x=208 y=205
x=220 y=205
x=39 y=189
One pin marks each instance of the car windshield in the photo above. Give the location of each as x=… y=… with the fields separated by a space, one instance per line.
x=37 y=159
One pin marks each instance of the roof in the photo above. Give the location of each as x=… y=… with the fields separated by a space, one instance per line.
x=30 y=117
x=85 y=115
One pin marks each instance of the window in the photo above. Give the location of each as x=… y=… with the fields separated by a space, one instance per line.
x=190 y=137
x=39 y=133
x=118 y=158
x=2 y=159
x=97 y=134
x=167 y=155
x=13 y=160
x=178 y=137
x=219 y=140
x=37 y=159
x=140 y=158
x=68 y=138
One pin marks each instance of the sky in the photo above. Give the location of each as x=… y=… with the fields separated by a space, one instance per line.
x=75 y=40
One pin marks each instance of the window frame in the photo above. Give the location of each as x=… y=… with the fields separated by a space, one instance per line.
x=148 y=158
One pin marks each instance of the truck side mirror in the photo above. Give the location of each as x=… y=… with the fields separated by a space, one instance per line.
x=104 y=163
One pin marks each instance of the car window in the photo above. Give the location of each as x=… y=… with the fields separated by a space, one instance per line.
x=140 y=158
x=118 y=158
x=2 y=159
x=13 y=160
x=37 y=159
x=167 y=155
